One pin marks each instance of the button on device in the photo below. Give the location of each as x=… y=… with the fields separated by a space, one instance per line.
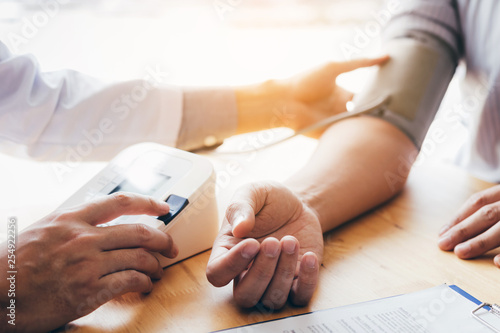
x=177 y=204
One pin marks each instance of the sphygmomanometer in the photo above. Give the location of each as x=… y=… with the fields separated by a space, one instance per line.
x=184 y=180
x=406 y=90
x=414 y=80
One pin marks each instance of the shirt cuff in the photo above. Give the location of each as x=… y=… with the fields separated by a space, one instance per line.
x=209 y=116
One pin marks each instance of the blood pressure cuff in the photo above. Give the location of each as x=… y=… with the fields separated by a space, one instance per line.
x=422 y=64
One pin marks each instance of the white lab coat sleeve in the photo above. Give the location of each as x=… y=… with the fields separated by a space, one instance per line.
x=66 y=115
x=209 y=116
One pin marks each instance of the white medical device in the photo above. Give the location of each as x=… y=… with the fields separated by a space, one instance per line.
x=184 y=180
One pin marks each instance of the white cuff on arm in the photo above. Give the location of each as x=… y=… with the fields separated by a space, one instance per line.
x=209 y=116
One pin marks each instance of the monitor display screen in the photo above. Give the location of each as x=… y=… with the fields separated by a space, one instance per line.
x=146 y=187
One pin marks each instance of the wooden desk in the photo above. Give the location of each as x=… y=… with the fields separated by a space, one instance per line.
x=389 y=251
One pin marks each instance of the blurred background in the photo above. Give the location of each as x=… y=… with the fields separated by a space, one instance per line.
x=197 y=42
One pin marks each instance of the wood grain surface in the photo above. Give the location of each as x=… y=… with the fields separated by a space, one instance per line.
x=388 y=251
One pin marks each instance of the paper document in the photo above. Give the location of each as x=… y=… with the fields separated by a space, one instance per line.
x=439 y=309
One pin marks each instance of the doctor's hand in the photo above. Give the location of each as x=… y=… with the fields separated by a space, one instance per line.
x=476 y=228
x=270 y=244
x=67 y=267
x=299 y=101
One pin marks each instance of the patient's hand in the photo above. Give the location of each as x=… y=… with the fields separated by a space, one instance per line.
x=271 y=245
x=67 y=267
x=476 y=228
x=299 y=101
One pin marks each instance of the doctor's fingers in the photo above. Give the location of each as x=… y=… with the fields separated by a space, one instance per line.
x=304 y=286
x=350 y=65
x=319 y=81
x=481 y=220
x=249 y=289
x=496 y=260
x=120 y=283
x=130 y=259
x=117 y=204
x=473 y=204
x=226 y=264
x=127 y=236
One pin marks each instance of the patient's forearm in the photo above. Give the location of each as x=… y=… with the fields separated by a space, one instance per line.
x=359 y=163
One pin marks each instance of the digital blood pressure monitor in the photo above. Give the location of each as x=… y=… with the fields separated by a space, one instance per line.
x=184 y=180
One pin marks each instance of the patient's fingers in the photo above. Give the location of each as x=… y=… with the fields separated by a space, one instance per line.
x=278 y=290
x=304 y=286
x=240 y=215
x=226 y=264
x=250 y=288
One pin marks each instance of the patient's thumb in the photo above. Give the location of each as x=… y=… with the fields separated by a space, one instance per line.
x=240 y=216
